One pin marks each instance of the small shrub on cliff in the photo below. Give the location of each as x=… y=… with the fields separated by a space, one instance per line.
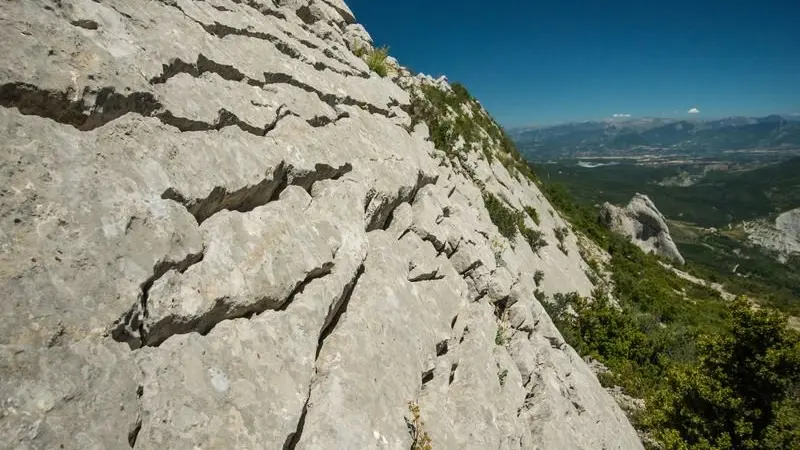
x=500 y=336
x=360 y=51
x=561 y=234
x=538 y=276
x=533 y=214
x=535 y=238
x=416 y=428
x=501 y=376
x=376 y=61
x=502 y=216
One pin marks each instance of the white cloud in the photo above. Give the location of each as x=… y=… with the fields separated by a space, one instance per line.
x=620 y=116
x=795 y=114
x=694 y=111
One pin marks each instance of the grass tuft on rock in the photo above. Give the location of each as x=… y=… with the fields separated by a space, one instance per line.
x=376 y=61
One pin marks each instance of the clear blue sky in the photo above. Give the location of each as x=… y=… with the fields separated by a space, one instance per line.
x=561 y=60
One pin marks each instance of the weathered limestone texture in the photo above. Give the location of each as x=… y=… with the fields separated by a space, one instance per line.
x=220 y=230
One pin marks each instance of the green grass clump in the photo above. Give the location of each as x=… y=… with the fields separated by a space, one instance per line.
x=376 y=61
x=360 y=51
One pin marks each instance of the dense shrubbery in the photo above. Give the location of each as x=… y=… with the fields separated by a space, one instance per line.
x=715 y=375
x=742 y=392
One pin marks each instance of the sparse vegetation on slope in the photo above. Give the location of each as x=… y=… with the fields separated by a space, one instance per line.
x=454 y=116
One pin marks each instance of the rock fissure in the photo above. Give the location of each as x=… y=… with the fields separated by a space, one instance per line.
x=224 y=308
x=204 y=64
x=262 y=8
x=382 y=215
x=130 y=327
x=253 y=196
x=431 y=275
x=338 y=309
x=104 y=105
x=221 y=30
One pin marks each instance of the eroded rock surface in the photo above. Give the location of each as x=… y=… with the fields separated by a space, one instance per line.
x=220 y=230
x=781 y=236
x=644 y=225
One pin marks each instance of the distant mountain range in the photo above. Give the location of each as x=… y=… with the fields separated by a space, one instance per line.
x=645 y=135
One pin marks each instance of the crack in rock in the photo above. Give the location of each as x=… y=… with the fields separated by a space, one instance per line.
x=136 y=426
x=426 y=276
x=262 y=8
x=331 y=99
x=177 y=66
x=427 y=376
x=251 y=197
x=382 y=214
x=130 y=327
x=221 y=31
x=92 y=109
x=224 y=119
x=294 y=437
x=97 y=108
x=173 y=324
x=346 y=15
x=338 y=308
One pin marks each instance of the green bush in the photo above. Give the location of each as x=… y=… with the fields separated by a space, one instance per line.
x=742 y=393
x=538 y=276
x=500 y=336
x=534 y=215
x=502 y=216
x=376 y=61
x=535 y=238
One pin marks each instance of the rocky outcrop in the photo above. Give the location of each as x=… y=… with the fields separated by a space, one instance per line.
x=781 y=236
x=644 y=225
x=220 y=230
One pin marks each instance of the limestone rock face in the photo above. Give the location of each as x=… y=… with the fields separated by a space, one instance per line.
x=782 y=236
x=644 y=225
x=219 y=230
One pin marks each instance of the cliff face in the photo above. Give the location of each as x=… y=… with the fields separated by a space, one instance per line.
x=644 y=225
x=782 y=236
x=221 y=230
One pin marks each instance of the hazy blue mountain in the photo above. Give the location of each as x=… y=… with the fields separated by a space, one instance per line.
x=652 y=134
